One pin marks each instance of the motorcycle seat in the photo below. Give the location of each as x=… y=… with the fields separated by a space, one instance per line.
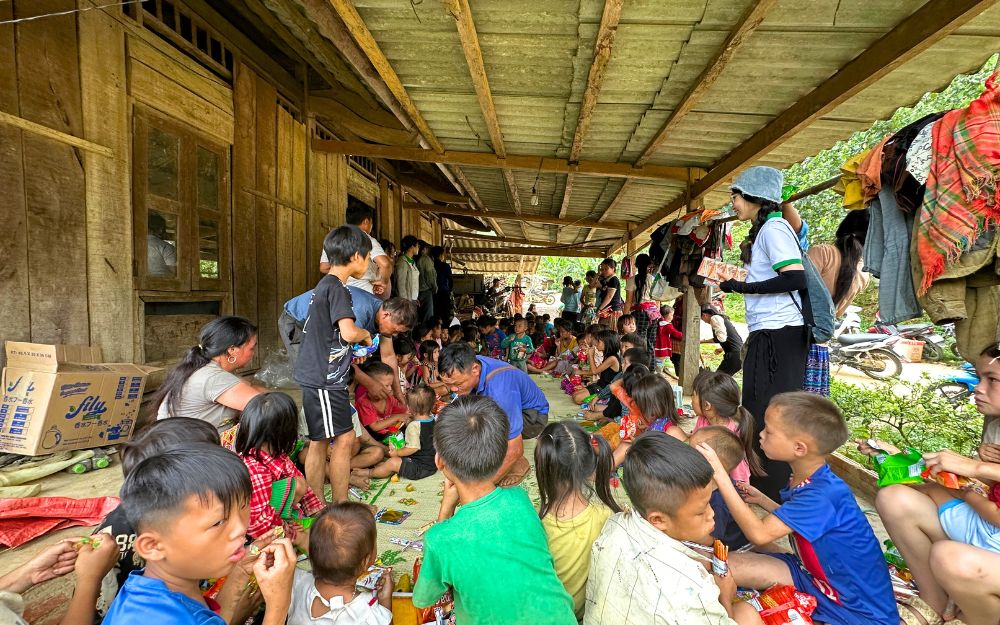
x=914 y=327
x=854 y=339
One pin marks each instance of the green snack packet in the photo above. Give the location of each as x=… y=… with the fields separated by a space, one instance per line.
x=902 y=468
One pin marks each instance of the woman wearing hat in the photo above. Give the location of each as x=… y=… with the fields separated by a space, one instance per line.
x=779 y=339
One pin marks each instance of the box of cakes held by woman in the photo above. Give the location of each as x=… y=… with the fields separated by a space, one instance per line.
x=717 y=271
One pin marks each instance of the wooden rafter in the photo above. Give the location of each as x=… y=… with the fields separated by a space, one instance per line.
x=603 y=169
x=747 y=24
x=595 y=80
x=541 y=219
x=530 y=251
x=473 y=236
x=333 y=110
x=460 y=11
x=929 y=24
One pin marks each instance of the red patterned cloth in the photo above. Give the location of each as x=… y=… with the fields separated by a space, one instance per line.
x=265 y=470
x=963 y=195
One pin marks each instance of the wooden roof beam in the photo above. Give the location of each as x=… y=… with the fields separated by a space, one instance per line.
x=488 y=160
x=460 y=11
x=595 y=80
x=748 y=23
x=541 y=219
x=474 y=236
x=929 y=24
x=529 y=251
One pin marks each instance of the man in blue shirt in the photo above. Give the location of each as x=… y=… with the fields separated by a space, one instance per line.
x=524 y=403
x=387 y=318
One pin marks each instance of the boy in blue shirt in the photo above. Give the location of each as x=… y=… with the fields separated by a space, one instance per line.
x=838 y=559
x=190 y=508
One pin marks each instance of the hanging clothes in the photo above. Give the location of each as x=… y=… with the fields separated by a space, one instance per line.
x=918 y=157
x=963 y=194
x=887 y=257
x=870 y=172
x=909 y=193
x=850 y=185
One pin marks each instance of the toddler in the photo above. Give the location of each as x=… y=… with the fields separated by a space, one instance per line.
x=265 y=441
x=716 y=400
x=666 y=334
x=491 y=553
x=342 y=546
x=384 y=416
x=492 y=338
x=429 y=351
x=631 y=340
x=574 y=472
x=626 y=324
x=406 y=359
x=729 y=448
x=518 y=346
x=415 y=460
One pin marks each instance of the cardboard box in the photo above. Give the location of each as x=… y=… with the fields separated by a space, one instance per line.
x=62 y=397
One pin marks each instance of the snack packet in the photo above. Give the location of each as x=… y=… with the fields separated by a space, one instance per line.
x=902 y=468
x=957 y=482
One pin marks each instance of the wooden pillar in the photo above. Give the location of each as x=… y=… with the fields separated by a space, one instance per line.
x=692 y=339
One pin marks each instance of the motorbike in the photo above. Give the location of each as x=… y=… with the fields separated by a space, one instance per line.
x=870 y=354
x=934 y=343
x=851 y=323
x=959 y=387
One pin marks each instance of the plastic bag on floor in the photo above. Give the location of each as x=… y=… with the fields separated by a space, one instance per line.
x=22 y=520
x=277 y=371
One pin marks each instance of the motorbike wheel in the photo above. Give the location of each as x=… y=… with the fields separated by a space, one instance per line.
x=932 y=352
x=954 y=350
x=954 y=392
x=549 y=300
x=880 y=364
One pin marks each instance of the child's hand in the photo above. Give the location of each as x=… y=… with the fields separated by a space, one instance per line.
x=750 y=494
x=300 y=489
x=254 y=551
x=393 y=452
x=300 y=536
x=868 y=450
x=989 y=452
x=727 y=589
x=947 y=460
x=94 y=562
x=384 y=589
x=274 y=570
x=55 y=561
x=713 y=459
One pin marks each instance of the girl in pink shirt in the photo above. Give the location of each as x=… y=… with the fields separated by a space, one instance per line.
x=716 y=401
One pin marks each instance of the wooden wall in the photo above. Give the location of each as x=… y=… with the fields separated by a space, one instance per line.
x=67 y=264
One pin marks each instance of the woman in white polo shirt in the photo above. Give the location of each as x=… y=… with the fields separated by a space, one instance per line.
x=779 y=339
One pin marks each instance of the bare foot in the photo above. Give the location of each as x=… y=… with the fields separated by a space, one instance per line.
x=360 y=482
x=516 y=474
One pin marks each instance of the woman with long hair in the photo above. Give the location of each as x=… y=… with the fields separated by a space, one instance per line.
x=840 y=264
x=777 y=308
x=203 y=385
x=645 y=310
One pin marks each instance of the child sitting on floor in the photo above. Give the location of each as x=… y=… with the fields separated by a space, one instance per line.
x=384 y=416
x=605 y=368
x=415 y=460
x=407 y=364
x=729 y=448
x=265 y=442
x=189 y=509
x=491 y=553
x=654 y=400
x=631 y=340
x=716 y=400
x=838 y=559
x=429 y=351
x=490 y=336
x=342 y=545
x=574 y=472
x=626 y=324
x=640 y=570
x=152 y=441
x=518 y=346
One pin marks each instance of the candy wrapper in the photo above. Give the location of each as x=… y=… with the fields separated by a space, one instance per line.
x=392 y=517
x=902 y=468
x=360 y=352
x=371 y=579
x=957 y=482
x=783 y=605
x=717 y=271
x=720 y=559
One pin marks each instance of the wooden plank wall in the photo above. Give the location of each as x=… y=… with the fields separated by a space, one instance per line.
x=327 y=205
x=44 y=209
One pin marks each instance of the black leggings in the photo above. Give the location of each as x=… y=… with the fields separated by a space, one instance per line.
x=775 y=363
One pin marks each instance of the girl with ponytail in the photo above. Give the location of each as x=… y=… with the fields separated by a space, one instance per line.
x=572 y=467
x=203 y=384
x=716 y=401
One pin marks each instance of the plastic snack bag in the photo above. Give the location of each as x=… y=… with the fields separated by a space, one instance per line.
x=902 y=468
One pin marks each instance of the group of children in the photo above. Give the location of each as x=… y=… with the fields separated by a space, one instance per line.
x=208 y=533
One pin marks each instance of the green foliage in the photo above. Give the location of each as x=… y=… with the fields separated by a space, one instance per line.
x=556 y=268
x=906 y=414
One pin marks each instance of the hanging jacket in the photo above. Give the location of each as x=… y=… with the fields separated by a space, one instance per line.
x=407 y=279
x=887 y=257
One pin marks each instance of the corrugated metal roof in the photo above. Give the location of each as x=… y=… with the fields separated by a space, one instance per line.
x=537 y=55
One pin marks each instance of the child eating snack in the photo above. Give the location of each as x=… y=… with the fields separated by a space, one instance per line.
x=415 y=460
x=384 y=416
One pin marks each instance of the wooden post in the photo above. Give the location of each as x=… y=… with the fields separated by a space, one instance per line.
x=692 y=339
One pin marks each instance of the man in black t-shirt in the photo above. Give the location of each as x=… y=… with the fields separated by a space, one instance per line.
x=323 y=368
x=610 y=304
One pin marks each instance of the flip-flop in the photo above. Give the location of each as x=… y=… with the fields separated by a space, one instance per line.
x=518 y=471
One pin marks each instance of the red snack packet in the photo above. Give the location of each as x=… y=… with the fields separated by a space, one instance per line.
x=778 y=602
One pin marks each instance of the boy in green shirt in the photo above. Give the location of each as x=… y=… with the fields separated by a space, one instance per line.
x=517 y=347
x=492 y=553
